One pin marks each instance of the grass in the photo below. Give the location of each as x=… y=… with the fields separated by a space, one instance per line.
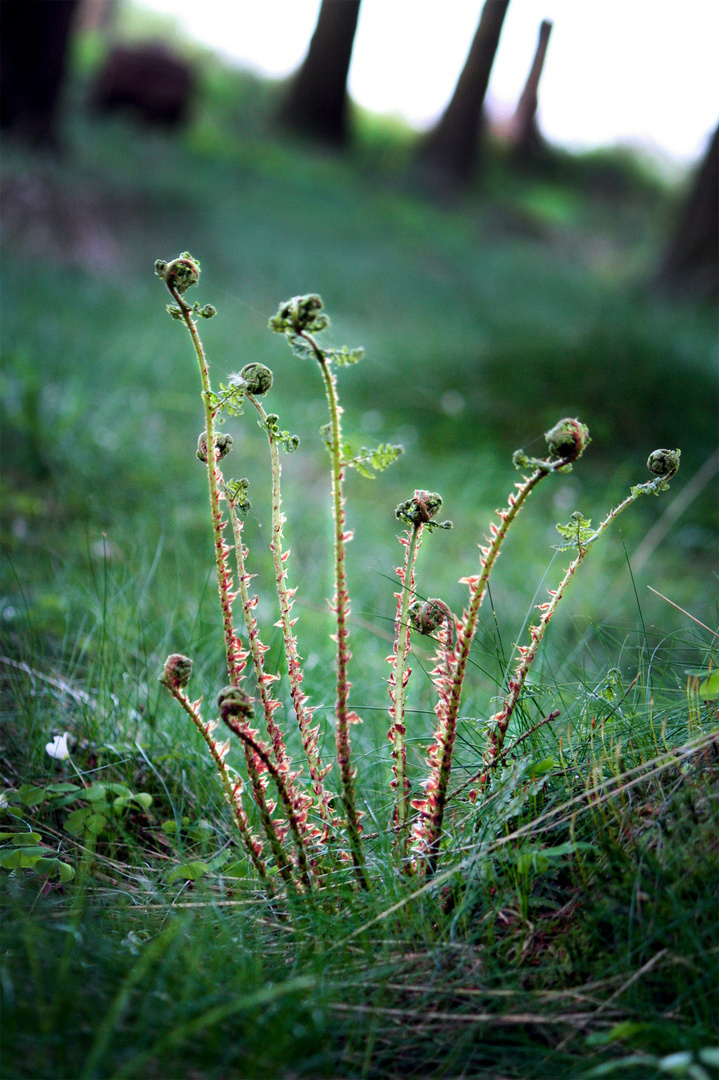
x=573 y=924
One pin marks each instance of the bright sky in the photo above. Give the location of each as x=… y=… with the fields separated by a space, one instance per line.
x=633 y=71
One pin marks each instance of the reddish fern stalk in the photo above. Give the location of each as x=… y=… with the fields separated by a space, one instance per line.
x=233 y=703
x=399 y=677
x=341 y=607
x=664 y=463
x=298 y=319
x=179 y=275
x=285 y=595
x=427 y=830
x=231 y=787
x=297 y=820
x=299 y=800
x=418 y=512
x=566 y=441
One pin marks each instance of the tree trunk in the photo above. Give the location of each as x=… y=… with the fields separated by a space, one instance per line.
x=98 y=16
x=524 y=134
x=34 y=39
x=449 y=152
x=691 y=265
x=316 y=103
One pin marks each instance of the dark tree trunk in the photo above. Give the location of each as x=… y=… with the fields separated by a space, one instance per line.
x=524 y=134
x=97 y=15
x=691 y=265
x=316 y=103
x=449 y=152
x=34 y=38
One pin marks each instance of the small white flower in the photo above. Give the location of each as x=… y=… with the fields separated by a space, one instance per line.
x=4 y=801
x=58 y=748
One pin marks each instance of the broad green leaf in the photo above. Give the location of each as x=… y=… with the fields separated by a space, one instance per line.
x=540 y=859
x=235 y=870
x=191 y=871
x=143 y=798
x=30 y=795
x=75 y=821
x=119 y=789
x=539 y=768
x=531 y=860
x=625 y=1031
x=709 y=689
x=85 y=819
x=26 y=839
x=95 y=823
x=201 y=830
x=54 y=868
x=95 y=792
x=73 y=796
x=17 y=858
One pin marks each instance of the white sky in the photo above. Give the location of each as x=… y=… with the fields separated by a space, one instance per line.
x=633 y=71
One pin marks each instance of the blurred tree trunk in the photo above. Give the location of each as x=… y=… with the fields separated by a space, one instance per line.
x=98 y=15
x=34 y=39
x=316 y=103
x=449 y=152
x=691 y=264
x=527 y=143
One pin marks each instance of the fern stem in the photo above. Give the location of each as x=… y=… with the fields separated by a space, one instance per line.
x=285 y=597
x=232 y=789
x=499 y=723
x=341 y=607
x=398 y=679
x=256 y=747
x=236 y=656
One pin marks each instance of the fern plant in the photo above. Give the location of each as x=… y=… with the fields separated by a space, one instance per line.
x=307 y=831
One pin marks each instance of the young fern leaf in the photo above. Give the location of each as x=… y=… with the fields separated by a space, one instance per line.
x=236 y=492
x=365 y=460
x=270 y=424
x=575 y=534
x=344 y=356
